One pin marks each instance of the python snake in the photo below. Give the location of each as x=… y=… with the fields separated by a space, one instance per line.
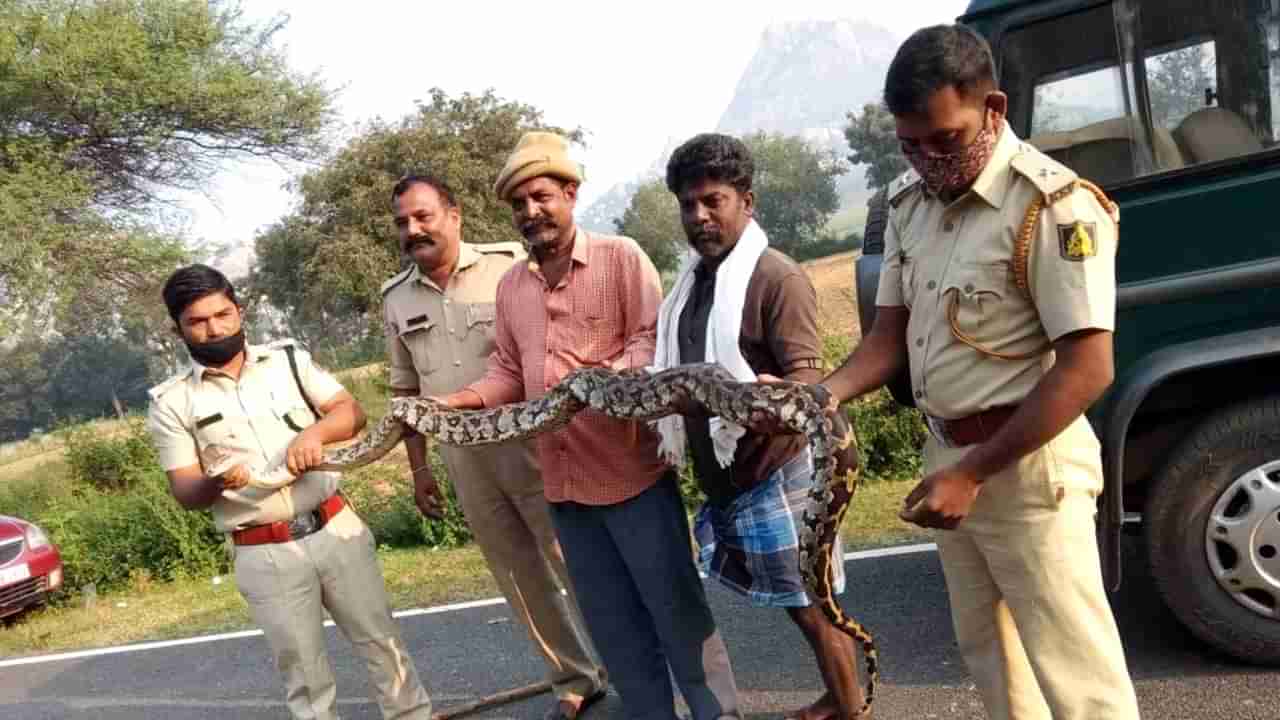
x=637 y=394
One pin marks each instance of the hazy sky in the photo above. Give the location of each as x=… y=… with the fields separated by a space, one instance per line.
x=633 y=74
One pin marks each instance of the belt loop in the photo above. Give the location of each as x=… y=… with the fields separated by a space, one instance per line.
x=938 y=427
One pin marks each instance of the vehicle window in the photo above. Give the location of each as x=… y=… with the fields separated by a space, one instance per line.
x=1162 y=85
x=1077 y=101
x=1211 y=71
x=1181 y=82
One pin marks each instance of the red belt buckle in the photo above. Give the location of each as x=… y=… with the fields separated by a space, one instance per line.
x=280 y=532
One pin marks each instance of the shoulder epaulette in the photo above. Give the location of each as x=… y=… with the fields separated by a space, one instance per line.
x=902 y=185
x=1054 y=180
x=512 y=248
x=167 y=385
x=396 y=280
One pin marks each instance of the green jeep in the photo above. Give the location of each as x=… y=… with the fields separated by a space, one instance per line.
x=1173 y=107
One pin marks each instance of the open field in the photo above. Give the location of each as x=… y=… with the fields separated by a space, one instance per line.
x=837 y=313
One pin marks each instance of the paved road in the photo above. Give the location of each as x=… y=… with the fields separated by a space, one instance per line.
x=473 y=652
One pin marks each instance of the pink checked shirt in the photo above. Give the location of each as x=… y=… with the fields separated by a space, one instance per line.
x=604 y=313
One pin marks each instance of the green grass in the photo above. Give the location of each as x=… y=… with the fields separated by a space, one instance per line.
x=415 y=577
x=150 y=611
x=52 y=442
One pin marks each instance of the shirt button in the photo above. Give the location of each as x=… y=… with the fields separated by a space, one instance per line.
x=457 y=363
x=919 y=342
x=949 y=226
x=919 y=394
x=932 y=285
x=446 y=301
x=968 y=288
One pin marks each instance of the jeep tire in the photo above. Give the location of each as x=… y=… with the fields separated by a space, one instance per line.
x=1212 y=523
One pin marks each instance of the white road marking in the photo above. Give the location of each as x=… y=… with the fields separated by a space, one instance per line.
x=97 y=702
x=413 y=612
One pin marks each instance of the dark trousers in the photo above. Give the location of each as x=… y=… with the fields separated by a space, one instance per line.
x=644 y=604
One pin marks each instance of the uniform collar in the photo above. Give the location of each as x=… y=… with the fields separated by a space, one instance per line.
x=253 y=354
x=467 y=256
x=993 y=182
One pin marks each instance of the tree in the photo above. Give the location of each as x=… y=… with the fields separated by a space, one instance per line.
x=653 y=220
x=330 y=257
x=874 y=140
x=279 y=293
x=795 y=189
x=92 y=376
x=107 y=105
x=1177 y=81
x=44 y=380
x=24 y=383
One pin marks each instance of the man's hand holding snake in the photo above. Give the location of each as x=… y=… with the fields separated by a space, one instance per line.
x=216 y=460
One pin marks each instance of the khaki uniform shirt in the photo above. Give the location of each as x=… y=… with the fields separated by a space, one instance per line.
x=936 y=253
x=255 y=418
x=439 y=340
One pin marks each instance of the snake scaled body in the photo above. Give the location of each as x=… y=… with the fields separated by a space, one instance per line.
x=638 y=395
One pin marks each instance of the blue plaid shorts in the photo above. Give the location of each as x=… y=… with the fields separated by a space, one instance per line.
x=752 y=546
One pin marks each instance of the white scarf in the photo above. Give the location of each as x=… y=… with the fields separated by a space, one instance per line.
x=724 y=327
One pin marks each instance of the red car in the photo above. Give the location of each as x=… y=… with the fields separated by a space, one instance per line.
x=30 y=566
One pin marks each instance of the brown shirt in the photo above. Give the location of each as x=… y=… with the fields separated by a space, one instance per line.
x=780 y=337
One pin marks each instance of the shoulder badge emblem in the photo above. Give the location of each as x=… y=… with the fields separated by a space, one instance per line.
x=1076 y=241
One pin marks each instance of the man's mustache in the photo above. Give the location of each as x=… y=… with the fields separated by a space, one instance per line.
x=536 y=225
x=708 y=233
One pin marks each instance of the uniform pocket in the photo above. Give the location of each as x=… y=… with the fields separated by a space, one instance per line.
x=419 y=340
x=481 y=315
x=909 y=270
x=481 y=319
x=975 y=293
x=230 y=433
x=296 y=418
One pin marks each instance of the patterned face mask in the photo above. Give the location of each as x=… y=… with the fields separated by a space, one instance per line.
x=950 y=174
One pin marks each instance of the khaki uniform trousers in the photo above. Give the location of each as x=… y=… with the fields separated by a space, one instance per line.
x=1025 y=583
x=509 y=518
x=289 y=585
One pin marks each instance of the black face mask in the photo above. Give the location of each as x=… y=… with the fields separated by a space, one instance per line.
x=219 y=352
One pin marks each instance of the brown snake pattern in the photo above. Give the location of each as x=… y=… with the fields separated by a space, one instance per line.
x=638 y=395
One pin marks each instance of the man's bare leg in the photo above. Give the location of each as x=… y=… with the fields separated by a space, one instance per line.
x=837 y=661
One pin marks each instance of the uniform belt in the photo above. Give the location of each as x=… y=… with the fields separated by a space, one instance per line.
x=970 y=430
x=286 y=530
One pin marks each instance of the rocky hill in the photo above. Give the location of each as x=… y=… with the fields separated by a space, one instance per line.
x=802 y=80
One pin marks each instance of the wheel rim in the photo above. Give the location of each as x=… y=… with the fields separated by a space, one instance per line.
x=1242 y=540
